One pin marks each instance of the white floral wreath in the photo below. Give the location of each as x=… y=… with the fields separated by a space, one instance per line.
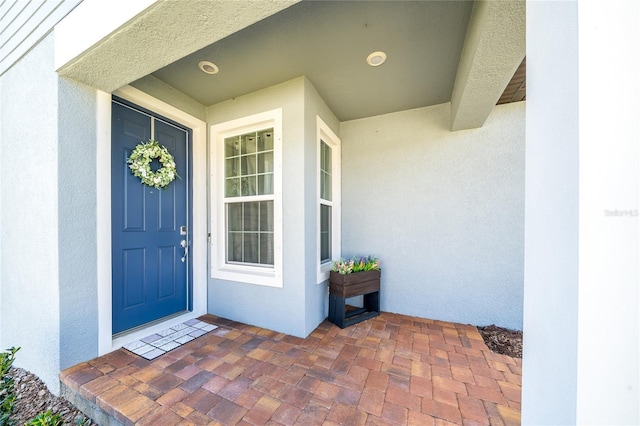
x=140 y=160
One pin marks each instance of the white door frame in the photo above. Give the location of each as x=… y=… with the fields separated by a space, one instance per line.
x=106 y=342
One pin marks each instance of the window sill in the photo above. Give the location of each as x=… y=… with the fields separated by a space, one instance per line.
x=323 y=272
x=248 y=275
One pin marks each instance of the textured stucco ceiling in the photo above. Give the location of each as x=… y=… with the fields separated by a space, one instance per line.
x=161 y=34
x=328 y=42
x=460 y=51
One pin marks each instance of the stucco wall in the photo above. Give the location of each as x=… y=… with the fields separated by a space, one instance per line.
x=48 y=216
x=317 y=296
x=280 y=309
x=77 y=200
x=444 y=211
x=29 y=192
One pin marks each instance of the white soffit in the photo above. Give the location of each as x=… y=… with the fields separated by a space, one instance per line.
x=493 y=49
x=156 y=37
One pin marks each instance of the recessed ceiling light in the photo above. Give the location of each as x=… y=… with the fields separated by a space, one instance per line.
x=376 y=59
x=208 y=67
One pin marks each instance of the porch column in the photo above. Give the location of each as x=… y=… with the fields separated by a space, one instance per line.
x=581 y=322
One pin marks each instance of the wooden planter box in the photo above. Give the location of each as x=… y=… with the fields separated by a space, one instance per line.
x=341 y=287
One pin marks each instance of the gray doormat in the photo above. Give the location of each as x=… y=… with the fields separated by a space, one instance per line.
x=164 y=341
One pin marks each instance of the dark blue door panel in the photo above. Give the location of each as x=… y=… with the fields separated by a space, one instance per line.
x=150 y=280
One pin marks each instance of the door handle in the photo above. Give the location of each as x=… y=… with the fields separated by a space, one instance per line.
x=185 y=246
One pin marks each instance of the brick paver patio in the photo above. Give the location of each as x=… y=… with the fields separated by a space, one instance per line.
x=390 y=370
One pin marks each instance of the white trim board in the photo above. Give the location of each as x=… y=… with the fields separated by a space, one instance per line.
x=106 y=342
x=324 y=133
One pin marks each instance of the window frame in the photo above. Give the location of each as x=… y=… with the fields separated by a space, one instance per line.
x=220 y=268
x=326 y=135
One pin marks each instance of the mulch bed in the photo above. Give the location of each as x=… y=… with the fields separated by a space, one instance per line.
x=33 y=398
x=502 y=340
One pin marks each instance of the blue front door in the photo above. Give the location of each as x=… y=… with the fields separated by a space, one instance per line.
x=149 y=226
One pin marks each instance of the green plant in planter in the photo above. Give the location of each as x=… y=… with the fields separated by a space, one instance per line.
x=356 y=264
x=7 y=392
